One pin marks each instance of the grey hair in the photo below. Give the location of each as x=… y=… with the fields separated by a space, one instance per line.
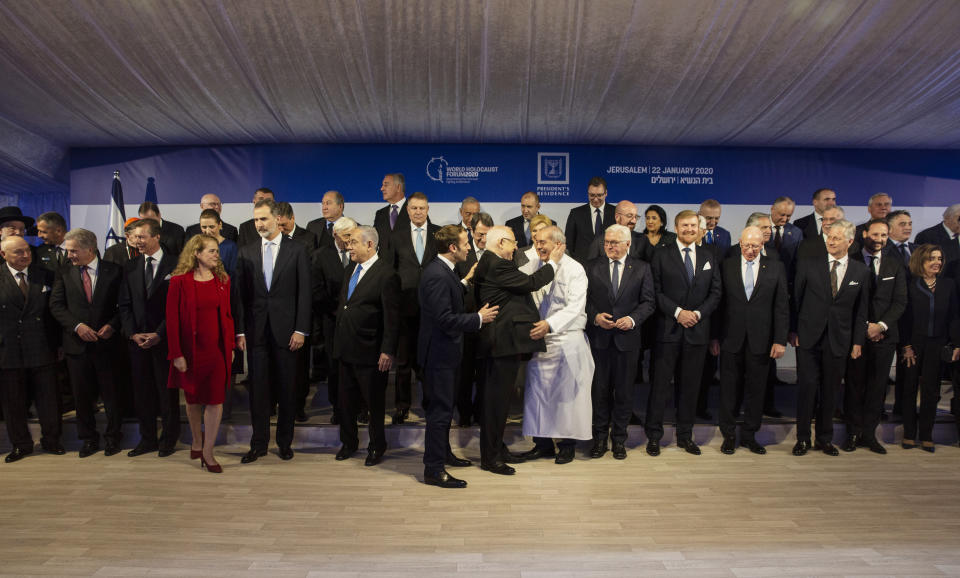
x=837 y=208
x=481 y=217
x=951 y=210
x=620 y=231
x=754 y=218
x=783 y=199
x=343 y=224
x=496 y=233
x=848 y=228
x=469 y=201
x=368 y=234
x=84 y=238
x=876 y=196
x=553 y=234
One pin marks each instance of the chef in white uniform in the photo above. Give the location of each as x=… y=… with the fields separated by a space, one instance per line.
x=557 y=400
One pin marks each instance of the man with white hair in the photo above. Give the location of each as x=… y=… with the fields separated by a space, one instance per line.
x=829 y=324
x=557 y=397
x=946 y=234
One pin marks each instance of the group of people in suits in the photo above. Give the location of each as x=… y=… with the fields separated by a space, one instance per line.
x=473 y=311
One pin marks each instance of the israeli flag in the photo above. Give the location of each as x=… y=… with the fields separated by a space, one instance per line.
x=117 y=216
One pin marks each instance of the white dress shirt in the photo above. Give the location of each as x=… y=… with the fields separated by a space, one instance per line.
x=693 y=259
x=622 y=261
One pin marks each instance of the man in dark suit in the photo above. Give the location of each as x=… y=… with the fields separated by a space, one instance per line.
x=443 y=321
x=123 y=251
x=812 y=225
x=469 y=406
x=469 y=207
x=365 y=341
x=504 y=342
x=84 y=302
x=211 y=201
x=529 y=208
x=408 y=250
x=589 y=221
x=29 y=338
x=143 y=304
x=829 y=314
x=625 y=214
x=620 y=297
x=247 y=232
x=785 y=236
x=715 y=235
x=172 y=235
x=878 y=207
x=866 y=383
x=51 y=227
x=687 y=283
x=901 y=229
x=327 y=275
x=816 y=245
x=946 y=234
x=272 y=319
x=750 y=330
x=331 y=206
x=393 y=216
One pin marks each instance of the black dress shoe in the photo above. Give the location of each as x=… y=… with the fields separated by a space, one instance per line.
x=599 y=448
x=334 y=419
x=442 y=479
x=635 y=419
x=620 y=451
x=498 y=468
x=286 y=453
x=801 y=448
x=728 y=447
x=364 y=417
x=89 y=448
x=875 y=447
x=252 y=456
x=455 y=462
x=509 y=457
x=166 y=452
x=400 y=416
x=301 y=416
x=850 y=444
x=772 y=412
x=538 y=452
x=930 y=448
x=753 y=446
x=112 y=448
x=55 y=448
x=465 y=421
x=689 y=446
x=345 y=453
x=141 y=449
x=653 y=447
x=374 y=457
x=17 y=454
x=705 y=415
x=827 y=448
x=565 y=455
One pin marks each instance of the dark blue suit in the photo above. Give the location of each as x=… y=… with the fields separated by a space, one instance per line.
x=721 y=238
x=790 y=242
x=439 y=350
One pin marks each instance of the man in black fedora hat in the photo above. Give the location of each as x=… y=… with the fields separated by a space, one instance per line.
x=13 y=223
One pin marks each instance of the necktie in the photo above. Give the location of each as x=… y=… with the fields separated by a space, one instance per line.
x=598 y=223
x=904 y=254
x=526 y=231
x=778 y=239
x=344 y=258
x=688 y=263
x=330 y=227
x=268 y=264
x=87 y=284
x=353 y=280
x=870 y=261
x=709 y=237
x=419 y=247
x=59 y=256
x=834 y=281
x=148 y=274
x=748 y=280
x=22 y=283
x=470 y=237
x=615 y=279
x=393 y=216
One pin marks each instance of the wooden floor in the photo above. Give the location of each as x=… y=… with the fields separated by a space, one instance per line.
x=713 y=515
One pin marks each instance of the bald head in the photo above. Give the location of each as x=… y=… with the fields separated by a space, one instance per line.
x=626 y=214
x=210 y=201
x=751 y=242
x=16 y=252
x=501 y=241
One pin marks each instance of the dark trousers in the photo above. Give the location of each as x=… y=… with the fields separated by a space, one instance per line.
x=819 y=373
x=499 y=384
x=302 y=375
x=14 y=384
x=769 y=401
x=743 y=376
x=547 y=443
x=902 y=371
x=152 y=397
x=707 y=375
x=866 y=387
x=92 y=376
x=370 y=384
x=272 y=363
x=333 y=365
x=690 y=358
x=612 y=391
x=439 y=386
x=406 y=361
x=468 y=404
x=925 y=375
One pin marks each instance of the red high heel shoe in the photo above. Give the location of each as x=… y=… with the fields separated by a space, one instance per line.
x=197 y=454
x=213 y=468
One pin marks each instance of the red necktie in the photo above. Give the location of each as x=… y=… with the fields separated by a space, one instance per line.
x=87 y=284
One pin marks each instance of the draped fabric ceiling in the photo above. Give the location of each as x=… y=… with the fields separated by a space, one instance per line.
x=794 y=73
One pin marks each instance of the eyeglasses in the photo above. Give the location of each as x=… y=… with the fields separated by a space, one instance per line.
x=612 y=243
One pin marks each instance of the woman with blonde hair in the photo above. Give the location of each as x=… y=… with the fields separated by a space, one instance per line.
x=200 y=341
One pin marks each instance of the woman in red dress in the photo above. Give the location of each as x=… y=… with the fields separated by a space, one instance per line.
x=200 y=341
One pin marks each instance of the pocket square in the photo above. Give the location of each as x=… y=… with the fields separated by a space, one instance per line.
x=854 y=283
x=887 y=278
x=45 y=289
x=706 y=266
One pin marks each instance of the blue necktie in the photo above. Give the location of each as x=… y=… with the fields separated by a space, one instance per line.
x=353 y=280
x=710 y=237
x=598 y=224
x=419 y=247
x=688 y=264
x=268 y=264
x=748 y=282
x=615 y=280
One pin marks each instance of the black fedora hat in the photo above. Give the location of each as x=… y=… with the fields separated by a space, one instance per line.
x=15 y=214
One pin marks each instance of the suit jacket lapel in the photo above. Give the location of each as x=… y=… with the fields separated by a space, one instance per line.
x=283 y=257
x=11 y=287
x=625 y=276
